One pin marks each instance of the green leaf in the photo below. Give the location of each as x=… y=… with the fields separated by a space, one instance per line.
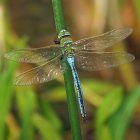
x=120 y=120
x=45 y=128
x=95 y=90
x=6 y=94
x=6 y=76
x=50 y=115
x=97 y=86
x=26 y=100
x=106 y=109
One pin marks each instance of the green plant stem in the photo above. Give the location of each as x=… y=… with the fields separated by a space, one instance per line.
x=71 y=97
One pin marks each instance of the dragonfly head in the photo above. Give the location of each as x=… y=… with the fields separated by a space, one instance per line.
x=65 y=42
x=64 y=38
x=63 y=33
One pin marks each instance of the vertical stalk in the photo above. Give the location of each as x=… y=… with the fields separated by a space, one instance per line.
x=70 y=91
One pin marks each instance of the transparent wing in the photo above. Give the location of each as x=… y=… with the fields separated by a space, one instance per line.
x=34 y=55
x=103 y=41
x=93 y=61
x=43 y=73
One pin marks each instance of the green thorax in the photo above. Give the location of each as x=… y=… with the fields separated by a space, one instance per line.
x=65 y=42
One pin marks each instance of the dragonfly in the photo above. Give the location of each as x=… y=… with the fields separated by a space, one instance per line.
x=87 y=54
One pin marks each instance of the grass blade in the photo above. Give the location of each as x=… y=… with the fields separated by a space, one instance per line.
x=45 y=128
x=106 y=109
x=121 y=119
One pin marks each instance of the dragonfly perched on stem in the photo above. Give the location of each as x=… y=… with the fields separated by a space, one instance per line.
x=86 y=54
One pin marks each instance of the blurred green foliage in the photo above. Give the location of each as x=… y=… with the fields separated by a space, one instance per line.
x=27 y=115
x=115 y=114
